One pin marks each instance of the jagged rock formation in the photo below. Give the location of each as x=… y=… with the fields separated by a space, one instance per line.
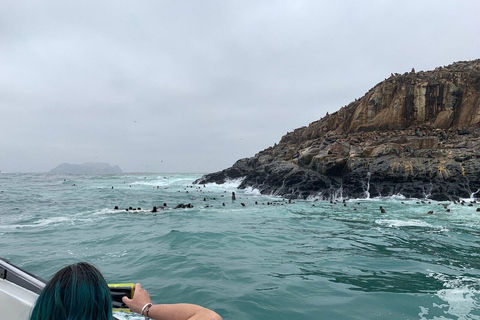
x=416 y=134
x=86 y=168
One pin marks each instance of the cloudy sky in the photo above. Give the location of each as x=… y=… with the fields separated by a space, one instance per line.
x=193 y=86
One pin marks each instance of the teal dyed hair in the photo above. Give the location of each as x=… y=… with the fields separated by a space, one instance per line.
x=76 y=292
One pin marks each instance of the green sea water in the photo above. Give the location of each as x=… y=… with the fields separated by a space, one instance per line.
x=267 y=259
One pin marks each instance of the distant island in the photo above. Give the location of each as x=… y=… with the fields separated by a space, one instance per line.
x=416 y=134
x=86 y=168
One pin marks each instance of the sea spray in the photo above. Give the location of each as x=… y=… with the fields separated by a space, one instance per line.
x=367 y=189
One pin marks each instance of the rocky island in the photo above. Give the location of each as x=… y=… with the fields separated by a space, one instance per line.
x=86 y=168
x=416 y=134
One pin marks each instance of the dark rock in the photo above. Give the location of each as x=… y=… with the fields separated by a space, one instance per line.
x=416 y=134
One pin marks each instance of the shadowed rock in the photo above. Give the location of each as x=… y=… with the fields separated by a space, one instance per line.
x=417 y=134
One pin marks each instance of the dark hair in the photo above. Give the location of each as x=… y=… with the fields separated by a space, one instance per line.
x=76 y=292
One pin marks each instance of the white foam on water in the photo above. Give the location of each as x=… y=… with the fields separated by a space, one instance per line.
x=104 y=211
x=54 y=220
x=165 y=181
x=459 y=296
x=11 y=227
x=252 y=191
x=229 y=185
x=460 y=302
x=41 y=223
x=393 y=223
x=396 y=197
x=233 y=183
x=51 y=221
x=150 y=183
x=108 y=211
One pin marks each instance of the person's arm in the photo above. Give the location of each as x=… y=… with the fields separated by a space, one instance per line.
x=180 y=311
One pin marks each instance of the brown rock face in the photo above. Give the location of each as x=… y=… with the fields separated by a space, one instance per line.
x=417 y=134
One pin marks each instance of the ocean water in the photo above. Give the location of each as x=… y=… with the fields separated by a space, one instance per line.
x=268 y=259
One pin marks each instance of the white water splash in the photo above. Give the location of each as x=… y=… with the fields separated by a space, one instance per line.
x=162 y=181
x=408 y=223
x=233 y=183
x=228 y=185
x=367 y=192
x=396 y=197
x=41 y=223
x=252 y=191
x=461 y=299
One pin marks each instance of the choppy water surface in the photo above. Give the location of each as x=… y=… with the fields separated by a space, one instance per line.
x=270 y=260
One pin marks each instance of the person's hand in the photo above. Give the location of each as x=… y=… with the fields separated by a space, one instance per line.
x=140 y=299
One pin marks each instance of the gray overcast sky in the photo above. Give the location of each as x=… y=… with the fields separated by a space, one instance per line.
x=193 y=86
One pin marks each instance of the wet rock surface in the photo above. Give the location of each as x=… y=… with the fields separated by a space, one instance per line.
x=416 y=134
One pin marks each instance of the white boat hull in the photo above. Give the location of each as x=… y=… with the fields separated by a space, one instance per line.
x=16 y=302
x=18 y=291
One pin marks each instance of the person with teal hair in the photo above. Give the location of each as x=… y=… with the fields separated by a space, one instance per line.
x=76 y=292
x=80 y=292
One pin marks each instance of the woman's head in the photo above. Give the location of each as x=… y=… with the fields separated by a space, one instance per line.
x=76 y=292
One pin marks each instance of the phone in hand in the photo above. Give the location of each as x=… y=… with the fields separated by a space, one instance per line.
x=118 y=291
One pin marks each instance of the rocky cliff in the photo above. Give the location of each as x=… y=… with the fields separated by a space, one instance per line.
x=415 y=134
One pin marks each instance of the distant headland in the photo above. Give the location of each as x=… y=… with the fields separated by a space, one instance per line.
x=86 y=168
x=415 y=134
